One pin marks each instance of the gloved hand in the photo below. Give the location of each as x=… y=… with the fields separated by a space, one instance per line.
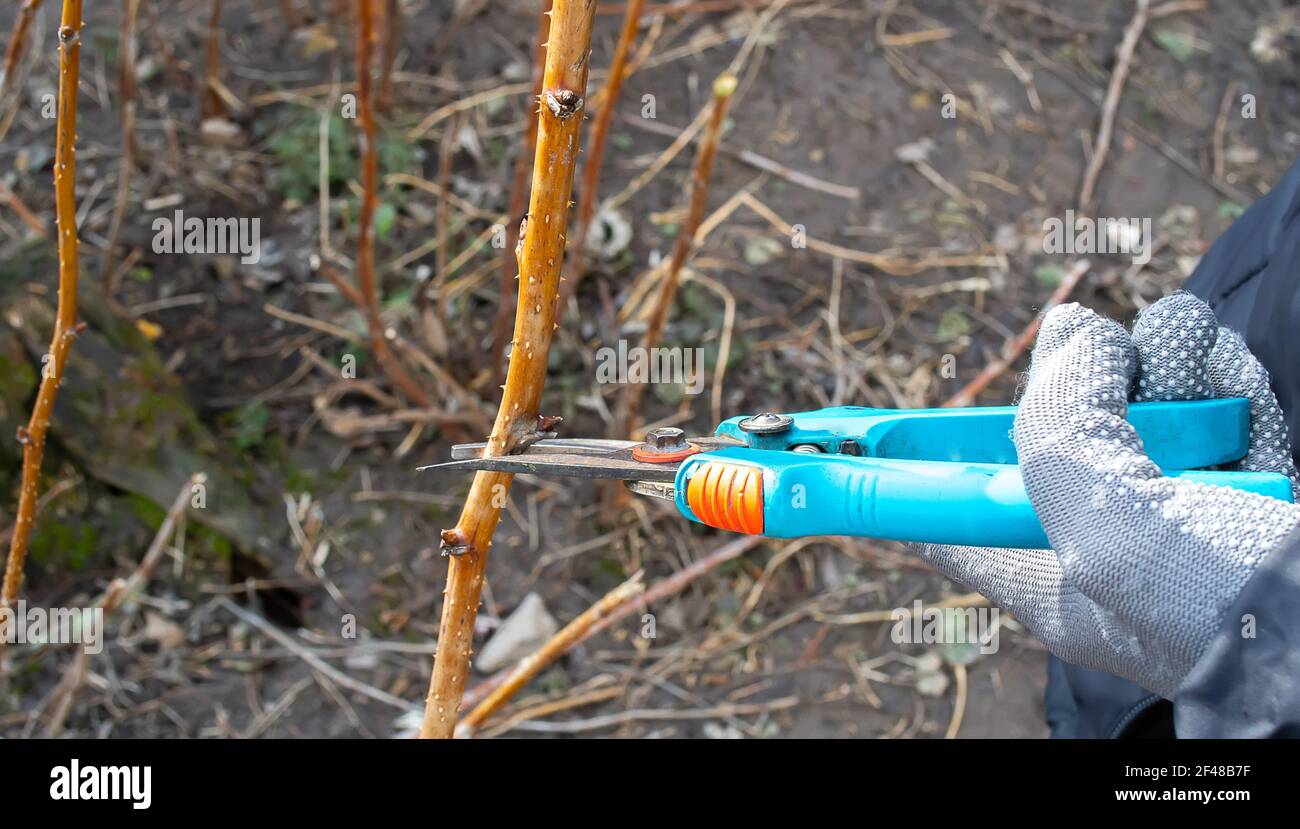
x=1143 y=568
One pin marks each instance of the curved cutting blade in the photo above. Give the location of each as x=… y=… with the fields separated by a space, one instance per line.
x=575 y=458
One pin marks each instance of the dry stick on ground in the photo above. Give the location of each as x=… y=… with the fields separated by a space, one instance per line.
x=589 y=189
x=9 y=197
x=369 y=139
x=670 y=586
x=1221 y=127
x=1014 y=348
x=630 y=403
x=442 y=219
x=757 y=161
x=126 y=84
x=65 y=321
x=1123 y=59
x=518 y=193
x=559 y=644
x=541 y=252
x=212 y=105
x=118 y=592
x=959 y=704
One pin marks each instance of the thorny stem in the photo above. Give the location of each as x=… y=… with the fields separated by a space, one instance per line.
x=369 y=140
x=518 y=192
x=723 y=88
x=541 y=252
x=65 y=320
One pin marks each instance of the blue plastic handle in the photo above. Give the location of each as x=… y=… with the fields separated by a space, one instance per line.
x=939 y=502
x=1194 y=434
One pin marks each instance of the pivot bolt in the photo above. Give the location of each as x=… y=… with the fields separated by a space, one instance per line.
x=766 y=423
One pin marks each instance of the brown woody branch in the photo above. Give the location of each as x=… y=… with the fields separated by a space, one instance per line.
x=66 y=326
x=541 y=253
x=369 y=140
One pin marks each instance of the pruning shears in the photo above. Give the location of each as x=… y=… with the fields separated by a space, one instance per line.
x=941 y=476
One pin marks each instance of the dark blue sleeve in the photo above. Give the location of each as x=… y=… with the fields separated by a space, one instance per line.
x=1245 y=685
x=1248 y=683
x=1251 y=278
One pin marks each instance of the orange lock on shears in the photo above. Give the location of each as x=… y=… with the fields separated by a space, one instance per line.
x=728 y=496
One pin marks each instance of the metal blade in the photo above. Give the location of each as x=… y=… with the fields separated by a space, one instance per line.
x=551 y=446
x=655 y=489
x=575 y=458
x=568 y=465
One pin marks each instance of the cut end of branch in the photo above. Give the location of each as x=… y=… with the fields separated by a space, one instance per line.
x=455 y=543
x=563 y=103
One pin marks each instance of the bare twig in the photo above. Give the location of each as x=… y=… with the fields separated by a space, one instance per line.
x=892 y=265
x=670 y=586
x=723 y=88
x=126 y=84
x=314 y=661
x=518 y=195
x=17 y=44
x=213 y=106
x=959 y=704
x=115 y=595
x=759 y=162
x=724 y=711
x=388 y=52
x=1221 y=127
x=9 y=197
x=559 y=644
x=600 y=127
x=369 y=138
x=1014 y=348
x=1123 y=59
x=541 y=252
x=65 y=321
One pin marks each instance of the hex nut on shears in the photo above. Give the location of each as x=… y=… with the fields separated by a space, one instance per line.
x=666 y=444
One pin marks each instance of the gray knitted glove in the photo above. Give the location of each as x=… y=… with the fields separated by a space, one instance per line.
x=1143 y=568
